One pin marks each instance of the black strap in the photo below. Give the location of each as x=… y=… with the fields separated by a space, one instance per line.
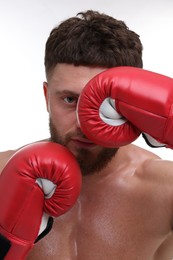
x=5 y=245
x=46 y=231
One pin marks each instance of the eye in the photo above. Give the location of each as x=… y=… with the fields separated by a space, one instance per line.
x=70 y=100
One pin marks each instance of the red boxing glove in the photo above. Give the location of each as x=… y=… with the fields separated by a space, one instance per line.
x=40 y=180
x=120 y=103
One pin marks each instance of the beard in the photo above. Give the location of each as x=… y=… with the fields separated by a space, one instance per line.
x=89 y=162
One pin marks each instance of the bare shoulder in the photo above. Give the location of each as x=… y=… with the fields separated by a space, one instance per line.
x=152 y=170
x=4 y=157
x=142 y=153
x=156 y=168
x=134 y=156
x=151 y=177
x=148 y=166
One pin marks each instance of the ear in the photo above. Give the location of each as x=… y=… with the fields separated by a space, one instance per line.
x=45 y=89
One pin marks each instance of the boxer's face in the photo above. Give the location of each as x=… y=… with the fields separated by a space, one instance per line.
x=61 y=92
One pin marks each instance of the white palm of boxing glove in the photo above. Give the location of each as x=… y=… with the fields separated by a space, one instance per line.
x=109 y=115
x=101 y=123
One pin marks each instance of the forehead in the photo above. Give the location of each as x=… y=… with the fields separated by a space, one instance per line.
x=72 y=78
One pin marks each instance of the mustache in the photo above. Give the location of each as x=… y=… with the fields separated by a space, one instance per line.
x=77 y=134
x=55 y=135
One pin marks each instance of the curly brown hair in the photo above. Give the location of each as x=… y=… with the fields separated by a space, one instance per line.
x=93 y=39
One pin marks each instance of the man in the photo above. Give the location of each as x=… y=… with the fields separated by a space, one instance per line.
x=125 y=208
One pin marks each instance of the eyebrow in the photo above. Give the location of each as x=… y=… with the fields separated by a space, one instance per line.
x=67 y=92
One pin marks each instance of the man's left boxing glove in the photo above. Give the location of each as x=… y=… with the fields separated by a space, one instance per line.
x=40 y=180
x=120 y=103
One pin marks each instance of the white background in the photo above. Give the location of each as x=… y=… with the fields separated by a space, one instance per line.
x=24 y=28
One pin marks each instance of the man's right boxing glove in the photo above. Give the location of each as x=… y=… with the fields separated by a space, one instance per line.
x=120 y=103
x=40 y=180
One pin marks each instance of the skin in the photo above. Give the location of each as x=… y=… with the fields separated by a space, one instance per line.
x=4 y=157
x=125 y=211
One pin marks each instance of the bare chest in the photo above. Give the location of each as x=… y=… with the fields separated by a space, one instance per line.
x=110 y=225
